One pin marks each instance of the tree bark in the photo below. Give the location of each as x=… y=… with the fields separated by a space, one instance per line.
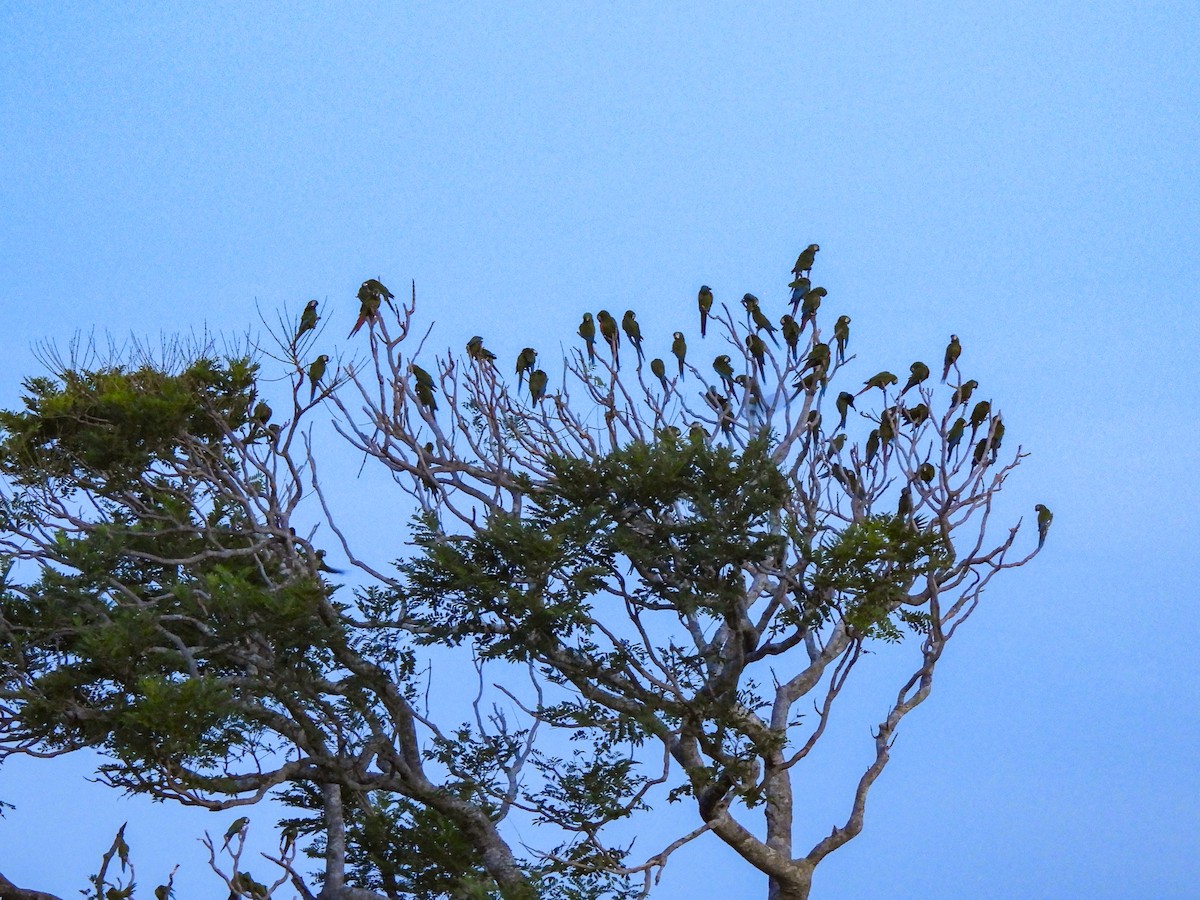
x=9 y=891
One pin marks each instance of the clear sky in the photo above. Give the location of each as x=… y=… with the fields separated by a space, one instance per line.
x=1022 y=174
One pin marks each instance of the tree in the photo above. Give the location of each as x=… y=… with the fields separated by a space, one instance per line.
x=647 y=572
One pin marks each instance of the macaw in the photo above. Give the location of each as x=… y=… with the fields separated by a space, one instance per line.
x=757 y=349
x=810 y=305
x=1044 y=518
x=845 y=402
x=791 y=334
x=315 y=373
x=978 y=414
x=704 y=300
x=759 y=318
x=881 y=380
x=872 y=445
x=679 y=348
x=721 y=405
x=587 y=331
x=629 y=324
x=477 y=352
x=841 y=334
x=308 y=320
x=980 y=453
x=659 y=368
x=537 y=385
x=799 y=287
x=956 y=433
x=374 y=286
x=608 y=331
x=421 y=375
x=723 y=367
x=238 y=825
x=804 y=262
x=920 y=372
x=845 y=477
x=818 y=359
x=887 y=427
x=526 y=360
x=750 y=386
x=953 y=351
x=995 y=436
x=424 y=457
x=425 y=395
x=915 y=415
x=962 y=393
x=370 y=295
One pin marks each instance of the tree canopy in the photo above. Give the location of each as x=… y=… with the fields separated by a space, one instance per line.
x=657 y=577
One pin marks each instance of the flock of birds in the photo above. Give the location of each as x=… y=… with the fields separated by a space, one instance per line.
x=805 y=299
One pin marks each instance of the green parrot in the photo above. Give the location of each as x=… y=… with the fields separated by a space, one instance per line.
x=804 y=262
x=477 y=352
x=376 y=287
x=537 y=385
x=679 y=348
x=920 y=372
x=262 y=413
x=323 y=566
x=872 y=445
x=956 y=433
x=887 y=427
x=980 y=453
x=371 y=293
x=757 y=349
x=799 y=287
x=659 y=368
x=759 y=318
x=810 y=304
x=818 y=359
x=978 y=414
x=526 y=360
x=881 y=380
x=1044 y=518
x=841 y=334
x=308 y=320
x=587 y=331
x=750 y=386
x=633 y=331
x=836 y=444
x=845 y=402
x=705 y=301
x=237 y=827
x=807 y=383
x=721 y=405
x=953 y=352
x=962 y=393
x=995 y=436
x=791 y=334
x=723 y=367
x=926 y=472
x=421 y=375
x=425 y=395
x=916 y=415
x=608 y=331
x=424 y=458
x=904 y=509
x=845 y=477
x=315 y=373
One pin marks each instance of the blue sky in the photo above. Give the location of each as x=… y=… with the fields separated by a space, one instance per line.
x=1023 y=175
